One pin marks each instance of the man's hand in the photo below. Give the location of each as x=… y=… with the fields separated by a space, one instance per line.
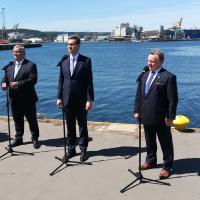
x=4 y=86
x=88 y=105
x=137 y=115
x=14 y=85
x=168 y=122
x=59 y=103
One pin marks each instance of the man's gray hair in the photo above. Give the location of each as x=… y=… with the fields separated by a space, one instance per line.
x=19 y=46
x=159 y=53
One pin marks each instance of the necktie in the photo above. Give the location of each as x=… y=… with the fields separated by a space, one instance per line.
x=72 y=63
x=17 y=66
x=148 y=82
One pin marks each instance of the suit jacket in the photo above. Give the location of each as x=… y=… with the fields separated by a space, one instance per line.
x=26 y=77
x=161 y=100
x=77 y=88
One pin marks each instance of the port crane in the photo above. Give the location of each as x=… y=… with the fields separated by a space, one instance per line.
x=177 y=25
x=3 y=33
x=15 y=27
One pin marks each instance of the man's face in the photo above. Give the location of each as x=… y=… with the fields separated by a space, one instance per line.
x=73 y=47
x=18 y=54
x=153 y=62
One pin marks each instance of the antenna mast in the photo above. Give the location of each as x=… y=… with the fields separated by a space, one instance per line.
x=3 y=24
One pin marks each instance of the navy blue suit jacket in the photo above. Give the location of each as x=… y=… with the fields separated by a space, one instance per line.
x=161 y=99
x=77 y=88
x=26 y=78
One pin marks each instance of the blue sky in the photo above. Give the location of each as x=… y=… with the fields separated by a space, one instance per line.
x=99 y=15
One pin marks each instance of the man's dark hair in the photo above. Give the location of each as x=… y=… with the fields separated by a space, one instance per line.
x=159 y=53
x=75 y=37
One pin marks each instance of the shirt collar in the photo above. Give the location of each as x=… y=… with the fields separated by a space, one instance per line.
x=74 y=57
x=157 y=71
x=20 y=62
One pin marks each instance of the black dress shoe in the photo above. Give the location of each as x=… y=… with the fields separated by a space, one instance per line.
x=69 y=154
x=17 y=142
x=36 y=144
x=83 y=156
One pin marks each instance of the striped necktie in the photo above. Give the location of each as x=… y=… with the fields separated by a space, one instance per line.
x=148 y=82
x=17 y=66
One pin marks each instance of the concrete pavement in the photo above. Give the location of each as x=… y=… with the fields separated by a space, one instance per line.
x=113 y=149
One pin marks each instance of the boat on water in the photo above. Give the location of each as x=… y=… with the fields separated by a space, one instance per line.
x=26 y=45
x=15 y=38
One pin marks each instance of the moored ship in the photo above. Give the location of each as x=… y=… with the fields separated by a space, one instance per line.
x=26 y=45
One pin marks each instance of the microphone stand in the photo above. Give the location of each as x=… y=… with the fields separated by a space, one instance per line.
x=65 y=160
x=9 y=147
x=138 y=175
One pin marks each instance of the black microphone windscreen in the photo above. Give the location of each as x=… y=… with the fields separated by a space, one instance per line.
x=10 y=63
x=146 y=69
x=62 y=59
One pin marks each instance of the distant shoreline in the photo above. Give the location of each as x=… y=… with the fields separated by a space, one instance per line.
x=11 y=45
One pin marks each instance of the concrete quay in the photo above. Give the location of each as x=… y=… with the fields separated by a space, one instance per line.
x=113 y=149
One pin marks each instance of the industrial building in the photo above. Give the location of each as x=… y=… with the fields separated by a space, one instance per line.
x=126 y=33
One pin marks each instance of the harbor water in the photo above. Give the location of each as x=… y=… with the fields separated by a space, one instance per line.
x=116 y=67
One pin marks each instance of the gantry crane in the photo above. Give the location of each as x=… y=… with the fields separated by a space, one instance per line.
x=177 y=25
x=3 y=34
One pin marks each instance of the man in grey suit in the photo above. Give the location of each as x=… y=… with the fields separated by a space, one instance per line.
x=159 y=98
x=21 y=77
x=75 y=95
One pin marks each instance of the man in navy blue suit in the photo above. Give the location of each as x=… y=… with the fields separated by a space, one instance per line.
x=75 y=95
x=21 y=77
x=159 y=99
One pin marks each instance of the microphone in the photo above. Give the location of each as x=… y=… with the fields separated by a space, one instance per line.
x=6 y=66
x=145 y=69
x=62 y=59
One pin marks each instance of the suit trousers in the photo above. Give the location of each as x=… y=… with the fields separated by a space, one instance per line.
x=20 y=110
x=165 y=138
x=75 y=112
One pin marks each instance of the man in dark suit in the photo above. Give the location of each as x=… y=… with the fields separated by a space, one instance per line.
x=21 y=77
x=159 y=98
x=75 y=95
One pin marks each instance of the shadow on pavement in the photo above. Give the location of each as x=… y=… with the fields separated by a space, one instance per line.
x=3 y=137
x=57 y=142
x=116 y=151
x=187 y=165
x=187 y=130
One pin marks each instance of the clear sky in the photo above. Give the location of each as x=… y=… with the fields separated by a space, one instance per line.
x=99 y=15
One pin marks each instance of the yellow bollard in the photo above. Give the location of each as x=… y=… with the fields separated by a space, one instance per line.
x=180 y=122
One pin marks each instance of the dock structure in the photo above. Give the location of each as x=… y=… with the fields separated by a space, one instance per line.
x=26 y=45
x=112 y=150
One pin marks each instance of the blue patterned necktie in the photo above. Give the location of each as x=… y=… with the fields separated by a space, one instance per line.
x=148 y=82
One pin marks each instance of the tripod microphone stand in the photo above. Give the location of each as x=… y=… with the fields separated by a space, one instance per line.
x=9 y=147
x=138 y=175
x=65 y=160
